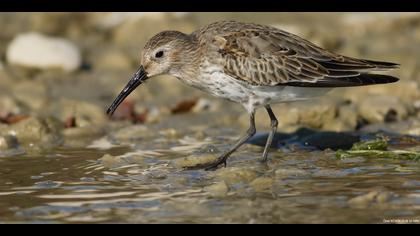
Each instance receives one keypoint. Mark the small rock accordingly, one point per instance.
(83, 132)
(379, 109)
(8, 106)
(39, 51)
(410, 127)
(338, 125)
(154, 174)
(193, 160)
(383, 197)
(405, 90)
(219, 189)
(35, 134)
(170, 133)
(364, 201)
(317, 113)
(290, 172)
(131, 133)
(261, 183)
(8, 142)
(28, 130)
(110, 161)
(234, 175)
(85, 113)
(347, 114)
(30, 94)
(150, 115)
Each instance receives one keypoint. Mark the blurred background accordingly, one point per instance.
(59, 72)
(72, 65)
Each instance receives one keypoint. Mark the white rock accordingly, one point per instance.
(39, 51)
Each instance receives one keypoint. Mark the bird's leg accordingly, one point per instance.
(273, 130)
(249, 133)
(222, 159)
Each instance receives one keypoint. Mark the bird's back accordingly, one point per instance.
(267, 56)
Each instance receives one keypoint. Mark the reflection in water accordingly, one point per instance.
(121, 184)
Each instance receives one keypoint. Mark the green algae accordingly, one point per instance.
(377, 149)
(377, 144)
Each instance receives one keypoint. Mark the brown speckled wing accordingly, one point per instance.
(263, 55)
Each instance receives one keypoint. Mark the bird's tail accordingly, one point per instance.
(383, 65)
(360, 80)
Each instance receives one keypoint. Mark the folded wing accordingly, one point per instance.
(263, 55)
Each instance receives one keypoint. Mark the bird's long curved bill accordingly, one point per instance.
(134, 82)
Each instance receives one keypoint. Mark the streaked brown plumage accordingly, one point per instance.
(254, 65)
(263, 55)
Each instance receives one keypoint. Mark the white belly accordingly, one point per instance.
(253, 97)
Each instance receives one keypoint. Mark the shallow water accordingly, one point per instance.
(134, 174)
(135, 185)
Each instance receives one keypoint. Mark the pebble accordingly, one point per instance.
(8, 105)
(317, 113)
(110, 161)
(131, 133)
(49, 52)
(383, 108)
(28, 130)
(410, 126)
(219, 189)
(85, 113)
(30, 94)
(262, 183)
(372, 197)
(235, 175)
(83, 132)
(290, 172)
(8, 142)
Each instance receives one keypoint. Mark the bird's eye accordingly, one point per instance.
(159, 54)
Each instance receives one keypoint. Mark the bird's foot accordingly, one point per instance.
(263, 159)
(213, 165)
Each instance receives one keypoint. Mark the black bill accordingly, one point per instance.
(134, 82)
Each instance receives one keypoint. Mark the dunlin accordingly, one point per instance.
(251, 64)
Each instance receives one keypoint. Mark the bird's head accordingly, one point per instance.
(165, 53)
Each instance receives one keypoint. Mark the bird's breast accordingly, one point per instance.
(219, 84)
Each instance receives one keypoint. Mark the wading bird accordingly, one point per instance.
(251, 64)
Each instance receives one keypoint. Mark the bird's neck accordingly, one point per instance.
(187, 62)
